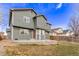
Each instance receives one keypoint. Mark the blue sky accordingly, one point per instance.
(58, 14)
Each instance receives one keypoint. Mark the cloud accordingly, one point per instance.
(59, 6)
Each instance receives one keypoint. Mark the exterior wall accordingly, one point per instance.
(40, 34)
(9, 34)
(47, 35)
(40, 22)
(17, 35)
(8, 31)
(18, 18)
(48, 27)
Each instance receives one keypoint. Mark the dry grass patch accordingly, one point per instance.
(61, 49)
(30, 50)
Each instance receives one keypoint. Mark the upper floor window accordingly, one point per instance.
(26, 19)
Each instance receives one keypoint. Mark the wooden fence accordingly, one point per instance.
(64, 38)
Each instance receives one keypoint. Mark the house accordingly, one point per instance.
(56, 32)
(26, 24)
(61, 32)
(67, 33)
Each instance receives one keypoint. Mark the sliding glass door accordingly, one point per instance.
(40, 34)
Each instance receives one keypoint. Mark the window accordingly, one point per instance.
(26, 19)
(24, 31)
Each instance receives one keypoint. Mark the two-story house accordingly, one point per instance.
(26, 24)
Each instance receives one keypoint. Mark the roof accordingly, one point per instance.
(65, 31)
(19, 9)
(42, 16)
(56, 28)
(49, 23)
(22, 9)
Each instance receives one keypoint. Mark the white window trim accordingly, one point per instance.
(26, 19)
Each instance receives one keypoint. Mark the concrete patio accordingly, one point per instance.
(41, 42)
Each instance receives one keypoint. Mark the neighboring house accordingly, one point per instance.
(67, 33)
(26, 24)
(56, 32)
(61, 32)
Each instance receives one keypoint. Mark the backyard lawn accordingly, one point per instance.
(63, 48)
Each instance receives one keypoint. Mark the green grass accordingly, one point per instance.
(63, 48)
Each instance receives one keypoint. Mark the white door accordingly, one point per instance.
(40, 34)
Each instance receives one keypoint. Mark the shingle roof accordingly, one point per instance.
(56, 28)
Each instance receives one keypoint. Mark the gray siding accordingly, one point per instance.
(19, 36)
(18, 18)
(9, 34)
(8, 30)
(47, 35)
(40, 22)
(48, 27)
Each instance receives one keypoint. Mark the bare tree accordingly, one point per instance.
(74, 25)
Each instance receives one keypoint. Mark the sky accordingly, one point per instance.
(58, 14)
